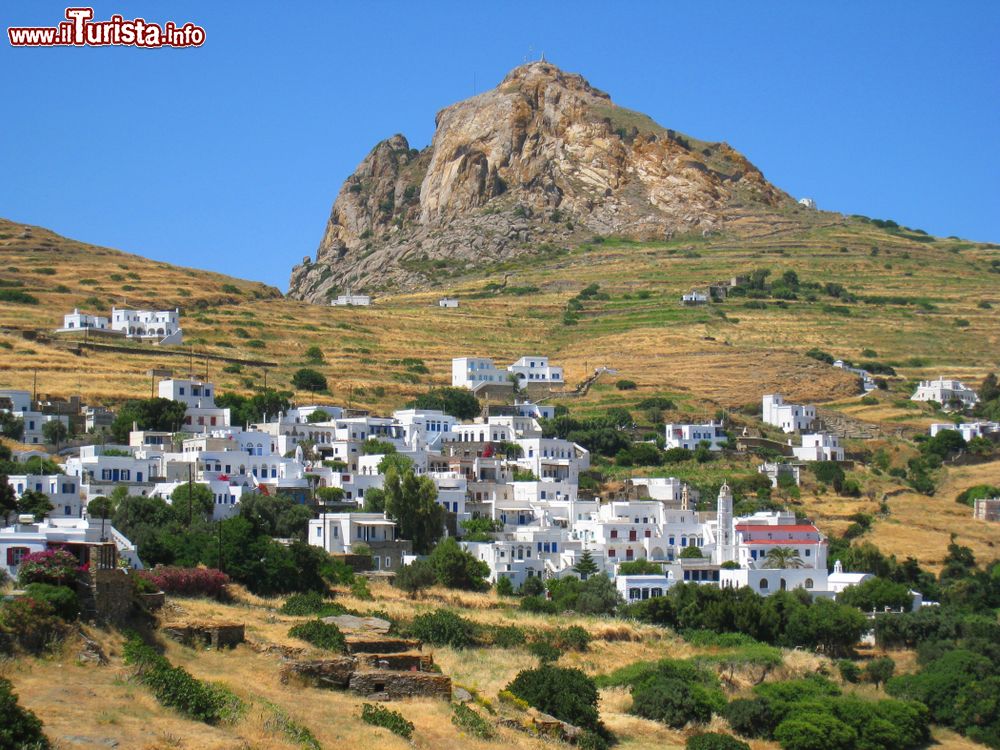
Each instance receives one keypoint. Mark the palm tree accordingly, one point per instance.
(783, 557)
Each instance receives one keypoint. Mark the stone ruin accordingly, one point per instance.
(377, 666)
(206, 634)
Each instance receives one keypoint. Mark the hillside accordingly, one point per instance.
(930, 311)
(543, 158)
(88, 706)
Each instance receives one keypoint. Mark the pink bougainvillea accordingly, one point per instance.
(186, 581)
(55, 566)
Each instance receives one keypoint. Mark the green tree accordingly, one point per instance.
(373, 447)
(374, 500)
(458, 402)
(715, 741)
(691, 553)
(567, 694)
(314, 355)
(875, 594)
(263, 405)
(34, 503)
(456, 568)
(411, 501)
(276, 516)
(880, 670)
(815, 731)
(782, 557)
(306, 379)
(158, 414)
(585, 566)
(8, 500)
(317, 416)
(415, 577)
(504, 586)
(55, 432)
(100, 507)
(11, 426)
(192, 500)
(20, 728)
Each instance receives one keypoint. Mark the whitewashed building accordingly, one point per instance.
(199, 397)
(62, 491)
(689, 436)
(75, 535)
(158, 326)
(694, 297)
(789, 417)
(352, 300)
(78, 321)
(968, 430)
(820, 446)
(946, 392)
(448, 302)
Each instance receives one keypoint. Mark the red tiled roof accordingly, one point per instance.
(765, 527)
(786, 542)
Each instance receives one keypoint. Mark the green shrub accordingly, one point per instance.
(504, 586)
(20, 728)
(750, 717)
(443, 628)
(176, 688)
(849, 671)
(506, 636)
(32, 623)
(311, 603)
(380, 716)
(626, 385)
(62, 599)
(321, 634)
(470, 722)
(360, 590)
(306, 379)
(544, 650)
(815, 731)
(674, 702)
(18, 297)
(715, 741)
(573, 638)
(567, 694)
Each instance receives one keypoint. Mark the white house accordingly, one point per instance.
(474, 372)
(159, 326)
(75, 535)
(789, 417)
(352, 300)
(347, 533)
(536, 369)
(77, 321)
(838, 580)
(62, 491)
(946, 392)
(968, 430)
(775, 470)
(807, 203)
(694, 297)
(691, 435)
(448, 302)
(20, 405)
(637, 588)
(202, 414)
(820, 446)
(867, 382)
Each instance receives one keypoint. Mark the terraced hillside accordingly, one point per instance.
(924, 306)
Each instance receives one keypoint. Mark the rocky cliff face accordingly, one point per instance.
(543, 159)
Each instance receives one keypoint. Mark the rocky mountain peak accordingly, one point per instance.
(542, 158)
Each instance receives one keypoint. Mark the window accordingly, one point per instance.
(388, 562)
(763, 584)
(16, 554)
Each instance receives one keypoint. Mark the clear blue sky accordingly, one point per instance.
(229, 156)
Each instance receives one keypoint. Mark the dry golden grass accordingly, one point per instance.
(650, 339)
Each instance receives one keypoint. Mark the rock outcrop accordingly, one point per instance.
(543, 160)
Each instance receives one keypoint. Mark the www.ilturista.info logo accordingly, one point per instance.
(79, 30)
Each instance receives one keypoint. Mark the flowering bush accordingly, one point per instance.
(187, 581)
(32, 623)
(55, 566)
